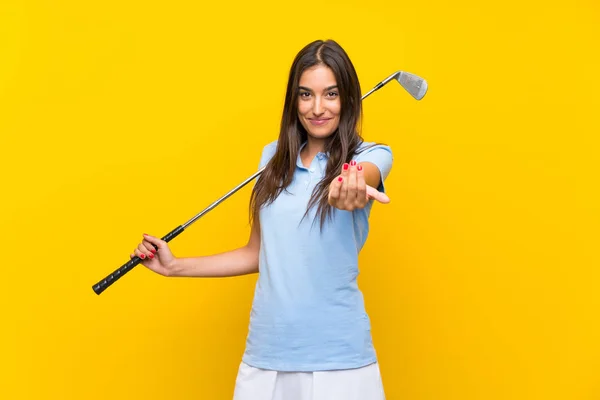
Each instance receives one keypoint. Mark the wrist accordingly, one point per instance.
(174, 268)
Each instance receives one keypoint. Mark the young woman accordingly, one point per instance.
(309, 336)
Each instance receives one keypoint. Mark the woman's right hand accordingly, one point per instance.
(160, 261)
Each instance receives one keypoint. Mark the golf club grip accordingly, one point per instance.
(173, 234)
(123, 269)
(113, 277)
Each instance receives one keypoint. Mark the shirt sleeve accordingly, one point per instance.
(381, 156)
(267, 153)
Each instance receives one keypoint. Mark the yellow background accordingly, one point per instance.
(481, 277)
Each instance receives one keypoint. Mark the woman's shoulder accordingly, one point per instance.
(270, 147)
(268, 152)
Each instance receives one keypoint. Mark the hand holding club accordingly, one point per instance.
(156, 255)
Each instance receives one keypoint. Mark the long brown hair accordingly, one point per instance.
(341, 145)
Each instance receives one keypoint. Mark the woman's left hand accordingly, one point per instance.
(349, 190)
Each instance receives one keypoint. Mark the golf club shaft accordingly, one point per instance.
(380, 85)
(103, 284)
(122, 270)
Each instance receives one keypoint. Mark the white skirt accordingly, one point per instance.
(350, 384)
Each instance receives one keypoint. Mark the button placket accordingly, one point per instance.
(305, 177)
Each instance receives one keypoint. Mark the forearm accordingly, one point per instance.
(241, 261)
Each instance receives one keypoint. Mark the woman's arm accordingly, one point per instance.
(241, 261)
(371, 174)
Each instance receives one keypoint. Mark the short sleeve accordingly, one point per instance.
(381, 156)
(267, 153)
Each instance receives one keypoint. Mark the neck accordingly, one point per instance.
(312, 148)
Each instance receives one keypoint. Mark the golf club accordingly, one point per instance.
(413, 84)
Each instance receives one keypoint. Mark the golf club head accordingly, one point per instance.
(415, 85)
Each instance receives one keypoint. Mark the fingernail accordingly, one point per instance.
(153, 251)
(345, 166)
(353, 163)
(340, 179)
(359, 167)
(151, 255)
(142, 256)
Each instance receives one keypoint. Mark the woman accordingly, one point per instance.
(309, 335)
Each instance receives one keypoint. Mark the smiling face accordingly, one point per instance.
(319, 104)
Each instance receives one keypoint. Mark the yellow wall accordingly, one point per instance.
(481, 277)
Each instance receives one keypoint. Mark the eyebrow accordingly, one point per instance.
(327, 88)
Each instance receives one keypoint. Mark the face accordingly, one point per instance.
(319, 102)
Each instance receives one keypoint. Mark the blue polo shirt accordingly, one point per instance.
(308, 313)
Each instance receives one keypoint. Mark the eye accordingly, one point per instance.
(332, 94)
(304, 94)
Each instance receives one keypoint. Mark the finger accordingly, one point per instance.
(145, 250)
(334, 190)
(352, 184)
(345, 168)
(159, 243)
(361, 186)
(344, 188)
(149, 246)
(140, 254)
(374, 194)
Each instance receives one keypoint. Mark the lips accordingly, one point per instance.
(319, 122)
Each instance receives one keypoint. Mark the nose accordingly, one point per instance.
(318, 108)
